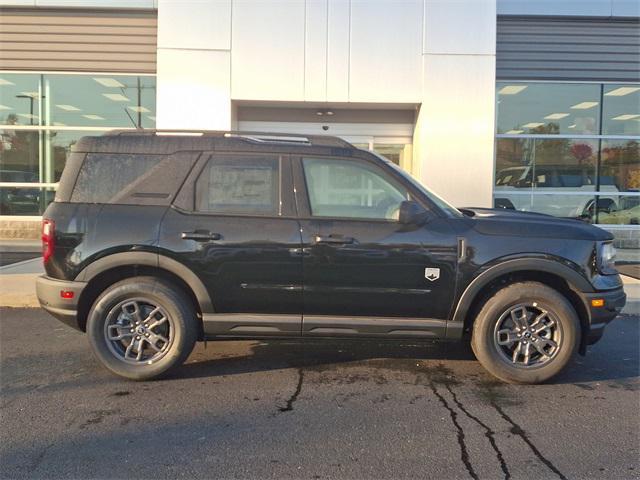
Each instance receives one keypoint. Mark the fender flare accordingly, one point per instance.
(574, 278)
(151, 260)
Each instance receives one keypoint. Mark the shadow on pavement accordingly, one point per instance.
(615, 357)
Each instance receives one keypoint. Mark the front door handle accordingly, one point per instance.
(200, 236)
(333, 239)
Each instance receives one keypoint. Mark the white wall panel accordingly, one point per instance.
(315, 67)
(267, 62)
(455, 128)
(338, 36)
(460, 27)
(196, 24)
(386, 52)
(193, 89)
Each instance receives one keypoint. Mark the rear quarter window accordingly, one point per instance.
(131, 179)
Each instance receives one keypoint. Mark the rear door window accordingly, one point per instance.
(245, 185)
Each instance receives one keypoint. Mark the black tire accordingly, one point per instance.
(146, 292)
(487, 335)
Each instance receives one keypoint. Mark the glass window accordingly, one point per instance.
(19, 156)
(25, 200)
(104, 178)
(350, 189)
(620, 165)
(621, 110)
(19, 99)
(568, 164)
(621, 210)
(239, 185)
(547, 108)
(104, 101)
(43, 115)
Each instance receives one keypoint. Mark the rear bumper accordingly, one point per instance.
(48, 291)
(614, 301)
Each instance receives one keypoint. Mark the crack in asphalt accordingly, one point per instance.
(518, 430)
(464, 453)
(489, 433)
(294, 397)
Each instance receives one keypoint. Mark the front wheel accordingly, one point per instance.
(141, 327)
(526, 333)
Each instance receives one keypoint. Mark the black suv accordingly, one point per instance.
(156, 240)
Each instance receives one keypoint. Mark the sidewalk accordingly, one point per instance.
(17, 286)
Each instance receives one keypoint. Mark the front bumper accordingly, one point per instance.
(48, 291)
(614, 301)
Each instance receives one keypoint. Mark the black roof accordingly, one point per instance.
(170, 141)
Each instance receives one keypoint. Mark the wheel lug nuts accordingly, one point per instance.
(137, 337)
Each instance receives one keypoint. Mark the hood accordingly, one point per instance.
(500, 221)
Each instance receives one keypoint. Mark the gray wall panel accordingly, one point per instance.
(539, 48)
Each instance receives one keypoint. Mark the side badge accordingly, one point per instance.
(432, 274)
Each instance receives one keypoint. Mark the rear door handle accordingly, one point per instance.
(200, 236)
(333, 239)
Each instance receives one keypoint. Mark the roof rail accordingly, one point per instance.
(253, 137)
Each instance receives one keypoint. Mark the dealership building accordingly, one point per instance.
(525, 104)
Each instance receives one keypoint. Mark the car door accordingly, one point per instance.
(234, 226)
(365, 273)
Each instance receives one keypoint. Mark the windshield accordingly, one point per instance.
(440, 202)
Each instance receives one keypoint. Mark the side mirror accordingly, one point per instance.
(412, 213)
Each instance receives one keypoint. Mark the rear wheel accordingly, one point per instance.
(141, 327)
(526, 333)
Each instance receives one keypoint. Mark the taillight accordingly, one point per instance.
(48, 239)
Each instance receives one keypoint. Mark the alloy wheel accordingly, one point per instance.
(527, 335)
(138, 331)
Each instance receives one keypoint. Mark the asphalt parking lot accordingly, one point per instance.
(312, 410)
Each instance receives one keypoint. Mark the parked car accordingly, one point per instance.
(158, 240)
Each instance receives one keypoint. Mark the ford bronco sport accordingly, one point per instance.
(156, 240)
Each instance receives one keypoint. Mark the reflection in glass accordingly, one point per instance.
(620, 164)
(25, 200)
(550, 169)
(77, 100)
(60, 100)
(547, 108)
(626, 212)
(19, 156)
(393, 152)
(19, 99)
(119, 101)
(621, 110)
(549, 163)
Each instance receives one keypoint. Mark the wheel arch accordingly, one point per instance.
(110, 269)
(548, 272)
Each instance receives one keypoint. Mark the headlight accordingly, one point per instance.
(607, 259)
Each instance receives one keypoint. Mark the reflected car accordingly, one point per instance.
(552, 183)
(19, 200)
